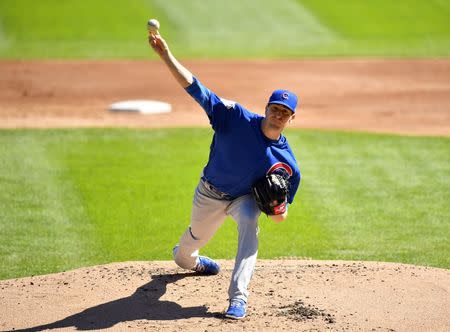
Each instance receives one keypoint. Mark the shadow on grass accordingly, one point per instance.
(144, 304)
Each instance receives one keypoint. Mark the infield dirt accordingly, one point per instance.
(393, 96)
(407, 97)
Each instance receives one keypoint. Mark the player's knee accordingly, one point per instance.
(177, 257)
(182, 259)
(175, 250)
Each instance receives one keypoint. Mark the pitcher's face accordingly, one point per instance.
(278, 116)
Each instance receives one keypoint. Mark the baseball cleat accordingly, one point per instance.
(237, 309)
(206, 266)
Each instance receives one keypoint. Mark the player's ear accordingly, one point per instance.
(292, 118)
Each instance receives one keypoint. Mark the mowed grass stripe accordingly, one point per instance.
(128, 194)
(220, 29)
(379, 197)
(4, 43)
(42, 221)
(137, 186)
(383, 27)
(395, 21)
(76, 29)
(253, 27)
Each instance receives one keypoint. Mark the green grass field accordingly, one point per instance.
(221, 29)
(73, 198)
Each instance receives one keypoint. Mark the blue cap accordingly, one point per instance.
(284, 97)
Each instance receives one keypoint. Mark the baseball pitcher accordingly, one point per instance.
(251, 168)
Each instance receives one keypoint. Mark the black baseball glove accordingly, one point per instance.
(270, 193)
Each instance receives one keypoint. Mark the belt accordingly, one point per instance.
(216, 191)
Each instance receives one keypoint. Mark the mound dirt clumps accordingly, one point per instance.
(285, 295)
(301, 311)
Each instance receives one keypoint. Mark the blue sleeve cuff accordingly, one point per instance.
(202, 95)
(191, 88)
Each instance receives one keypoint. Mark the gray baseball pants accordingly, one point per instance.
(209, 210)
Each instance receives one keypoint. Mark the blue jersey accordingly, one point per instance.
(240, 153)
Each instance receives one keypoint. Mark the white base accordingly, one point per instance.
(141, 106)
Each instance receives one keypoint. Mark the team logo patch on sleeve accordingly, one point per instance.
(282, 169)
(228, 103)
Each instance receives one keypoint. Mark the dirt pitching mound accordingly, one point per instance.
(294, 295)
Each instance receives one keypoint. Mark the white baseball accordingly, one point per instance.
(153, 25)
